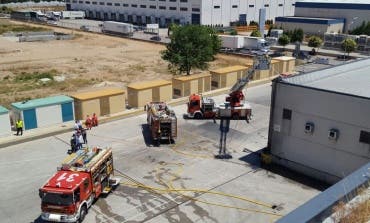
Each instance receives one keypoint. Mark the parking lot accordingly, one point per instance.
(235, 190)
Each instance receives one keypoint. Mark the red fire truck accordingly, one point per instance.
(82, 178)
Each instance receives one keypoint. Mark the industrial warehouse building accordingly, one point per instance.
(5, 127)
(101, 102)
(43, 112)
(320, 122)
(318, 16)
(163, 12)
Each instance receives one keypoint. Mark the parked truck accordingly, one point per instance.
(118, 28)
(82, 177)
(162, 122)
(232, 42)
(255, 43)
(73, 15)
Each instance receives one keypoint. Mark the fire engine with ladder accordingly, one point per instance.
(82, 177)
(235, 107)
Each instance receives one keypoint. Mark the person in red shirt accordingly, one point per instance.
(88, 122)
(95, 120)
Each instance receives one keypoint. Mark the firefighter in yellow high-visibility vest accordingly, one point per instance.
(19, 125)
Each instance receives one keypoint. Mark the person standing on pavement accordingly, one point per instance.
(94, 120)
(88, 122)
(84, 136)
(19, 126)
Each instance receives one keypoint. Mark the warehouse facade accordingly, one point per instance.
(326, 16)
(320, 122)
(163, 12)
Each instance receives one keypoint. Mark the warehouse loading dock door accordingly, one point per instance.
(104, 106)
(30, 121)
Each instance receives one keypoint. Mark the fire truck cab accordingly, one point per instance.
(82, 178)
(201, 107)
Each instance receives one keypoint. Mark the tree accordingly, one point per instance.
(253, 23)
(284, 40)
(315, 42)
(191, 46)
(297, 35)
(233, 32)
(349, 45)
(256, 33)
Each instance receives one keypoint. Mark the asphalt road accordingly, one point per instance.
(189, 163)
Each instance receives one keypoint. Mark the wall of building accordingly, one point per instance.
(310, 28)
(89, 107)
(117, 103)
(215, 12)
(45, 119)
(315, 154)
(352, 17)
(5, 128)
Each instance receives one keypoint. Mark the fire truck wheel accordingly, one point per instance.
(83, 213)
(198, 116)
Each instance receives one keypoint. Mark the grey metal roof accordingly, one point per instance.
(351, 78)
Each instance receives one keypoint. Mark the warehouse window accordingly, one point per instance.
(251, 6)
(152, 7)
(101, 3)
(94, 3)
(68, 0)
(280, 5)
(74, 1)
(173, 8)
(183, 0)
(235, 6)
(109, 3)
(267, 5)
(87, 2)
(143, 6)
(216, 7)
(293, 4)
(81, 2)
(183, 9)
(125, 5)
(162, 7)
(172, 0)
(134, 6)
(195, 9)
(365, 137)
(287, 114)
(162, 0)
(116, 4)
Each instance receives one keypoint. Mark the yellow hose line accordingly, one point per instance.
(171, 189)
(205, 202)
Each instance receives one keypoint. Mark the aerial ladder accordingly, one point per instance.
(236, 99)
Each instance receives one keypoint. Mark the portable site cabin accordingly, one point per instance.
(227, 76)
(191, 84)
(287, 64)
(276, 67)
(43, 112)
(5, 127)
(100, 102)
(142, 92)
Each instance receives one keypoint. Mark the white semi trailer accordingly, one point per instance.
(232, 42)
(119, 28)
(255, 43)
(73, 14)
